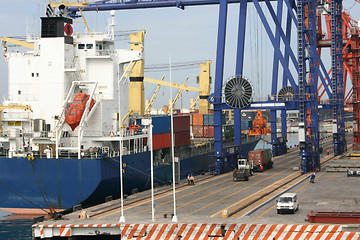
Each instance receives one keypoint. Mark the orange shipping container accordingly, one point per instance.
(198, 120)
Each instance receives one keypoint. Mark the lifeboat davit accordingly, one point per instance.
(76, 110)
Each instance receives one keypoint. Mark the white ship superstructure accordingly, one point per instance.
(60, 65)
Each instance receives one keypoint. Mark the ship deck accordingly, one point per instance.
(245, 209)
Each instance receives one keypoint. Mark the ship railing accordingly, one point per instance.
(20, 98)
(103, 52)
(9, 116)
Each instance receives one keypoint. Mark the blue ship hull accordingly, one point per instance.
(68, 182)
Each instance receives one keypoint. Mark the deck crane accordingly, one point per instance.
(16, 42)
(176, 99)
(193, 103)
(204, 81)
(13, 106)
(149, 103)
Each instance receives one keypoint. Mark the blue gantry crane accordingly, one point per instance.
(298, 88)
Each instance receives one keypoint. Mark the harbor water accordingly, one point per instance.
(15, 227)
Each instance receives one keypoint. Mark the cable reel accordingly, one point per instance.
(238, 92)
(286, 94)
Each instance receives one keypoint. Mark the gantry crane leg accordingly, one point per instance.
(308, 101)
(337, 77)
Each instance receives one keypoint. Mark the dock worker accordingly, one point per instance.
(188, 178)
(312, 178)
(192, 180)
(261, 167)
(328, 151)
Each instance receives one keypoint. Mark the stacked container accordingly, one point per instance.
(208, 125)
(198, 125)
(203, 126)
(181, 130)
(228, 131)
(161, 132)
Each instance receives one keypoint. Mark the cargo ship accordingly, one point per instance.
(64, 127)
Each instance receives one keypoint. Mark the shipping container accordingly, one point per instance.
(208, 119)
(198, 120)
(161, 141)
(261, 159)
(181, 123)
(209, 131)
(198, 131)
(161, 124)
(182, 138)
(228, 131)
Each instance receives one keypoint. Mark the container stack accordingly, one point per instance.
(228, 131)
(161, 132)
(198, 125)
(203, 126)
(208, 125)
(181, 130)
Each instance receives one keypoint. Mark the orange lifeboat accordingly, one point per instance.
(76, 110)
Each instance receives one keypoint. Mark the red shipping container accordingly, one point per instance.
(198, 131)
(198, 120)
(161, 141)
(209, 131)
(181, 123)
(182, 138)
(258, 157)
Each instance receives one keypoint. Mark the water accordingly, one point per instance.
(13, 227)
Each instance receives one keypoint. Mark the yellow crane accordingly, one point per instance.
(137, 79)
(16, 42)
(193, 104)
(13, 106)
(136, 85)
(149, 103)
(173, 103)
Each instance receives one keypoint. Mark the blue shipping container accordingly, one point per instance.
(209, 119)
(161, 124)
(206, 119)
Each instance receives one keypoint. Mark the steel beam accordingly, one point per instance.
(240, 66)
(219, 72)
(337, 77)
(308, 101)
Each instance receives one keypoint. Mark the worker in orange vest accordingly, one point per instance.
(328, 151)
(261, 167)
(192, 180)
